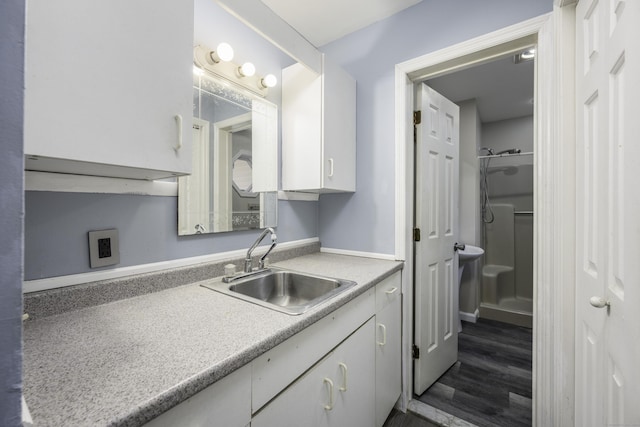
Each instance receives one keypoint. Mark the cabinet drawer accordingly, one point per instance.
(388, 291)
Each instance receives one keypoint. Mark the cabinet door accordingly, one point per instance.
(301, 128)
(354, 373)
(388, 359)
(105, 80)
(337, 391)
(339, 129)
(318, 129)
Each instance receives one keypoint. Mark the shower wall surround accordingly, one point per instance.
(507, 273)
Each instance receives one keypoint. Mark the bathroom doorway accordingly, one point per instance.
(496, 215)
(496, 100)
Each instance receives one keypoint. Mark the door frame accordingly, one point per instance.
(554, 195)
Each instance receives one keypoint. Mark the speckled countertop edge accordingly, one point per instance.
(315, 263)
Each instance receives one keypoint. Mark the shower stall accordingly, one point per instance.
(506, 197)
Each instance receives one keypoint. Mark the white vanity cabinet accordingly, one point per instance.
(337, 391)
(318, 129)
(343, 370)
(388, 346)
(109, 87)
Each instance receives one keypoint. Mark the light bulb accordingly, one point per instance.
(269, 81)
(247, 70)
(224, 52)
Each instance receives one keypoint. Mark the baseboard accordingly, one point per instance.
(470, 317)
(94, 276)
(387, 257)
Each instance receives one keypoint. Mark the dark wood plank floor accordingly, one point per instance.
(490, 385)
(398, 419)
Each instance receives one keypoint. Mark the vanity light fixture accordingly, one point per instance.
(219, 62)
(224, 52)
(247, 70)
(268, 81)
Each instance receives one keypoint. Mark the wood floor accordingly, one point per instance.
(490, 385)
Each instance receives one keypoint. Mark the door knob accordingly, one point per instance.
(599, 302)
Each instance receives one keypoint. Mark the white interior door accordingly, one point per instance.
(608, 213)
(436, 263)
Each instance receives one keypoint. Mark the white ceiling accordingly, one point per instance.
(503, 90)
(323, 21)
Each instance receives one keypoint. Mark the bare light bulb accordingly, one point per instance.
(224, 52)
(247, 69)
(269, 81)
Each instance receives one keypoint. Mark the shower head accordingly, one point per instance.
(488, 150)
(509, 151)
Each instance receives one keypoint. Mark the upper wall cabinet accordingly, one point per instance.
(318, 129)
(108, 87)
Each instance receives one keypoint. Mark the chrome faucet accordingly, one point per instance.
(248, 261)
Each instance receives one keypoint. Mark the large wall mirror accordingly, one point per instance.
(234, 147)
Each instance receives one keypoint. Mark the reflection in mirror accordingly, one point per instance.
(218, 196)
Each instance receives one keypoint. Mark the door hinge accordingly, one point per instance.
(417, 117)
(415, 352)
(416, 234)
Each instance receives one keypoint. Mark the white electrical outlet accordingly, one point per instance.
(104, 248)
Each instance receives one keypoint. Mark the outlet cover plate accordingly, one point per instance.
(104, 248)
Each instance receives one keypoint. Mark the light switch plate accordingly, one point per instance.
(104, 248)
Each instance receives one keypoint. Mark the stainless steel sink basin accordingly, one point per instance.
(283, 290)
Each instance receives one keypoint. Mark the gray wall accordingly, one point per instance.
(56, 224)
(11, 196)
(470, 229)
(364, 221)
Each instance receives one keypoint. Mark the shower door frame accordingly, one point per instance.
(554, 195)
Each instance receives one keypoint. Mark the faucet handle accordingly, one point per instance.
(229, 270)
